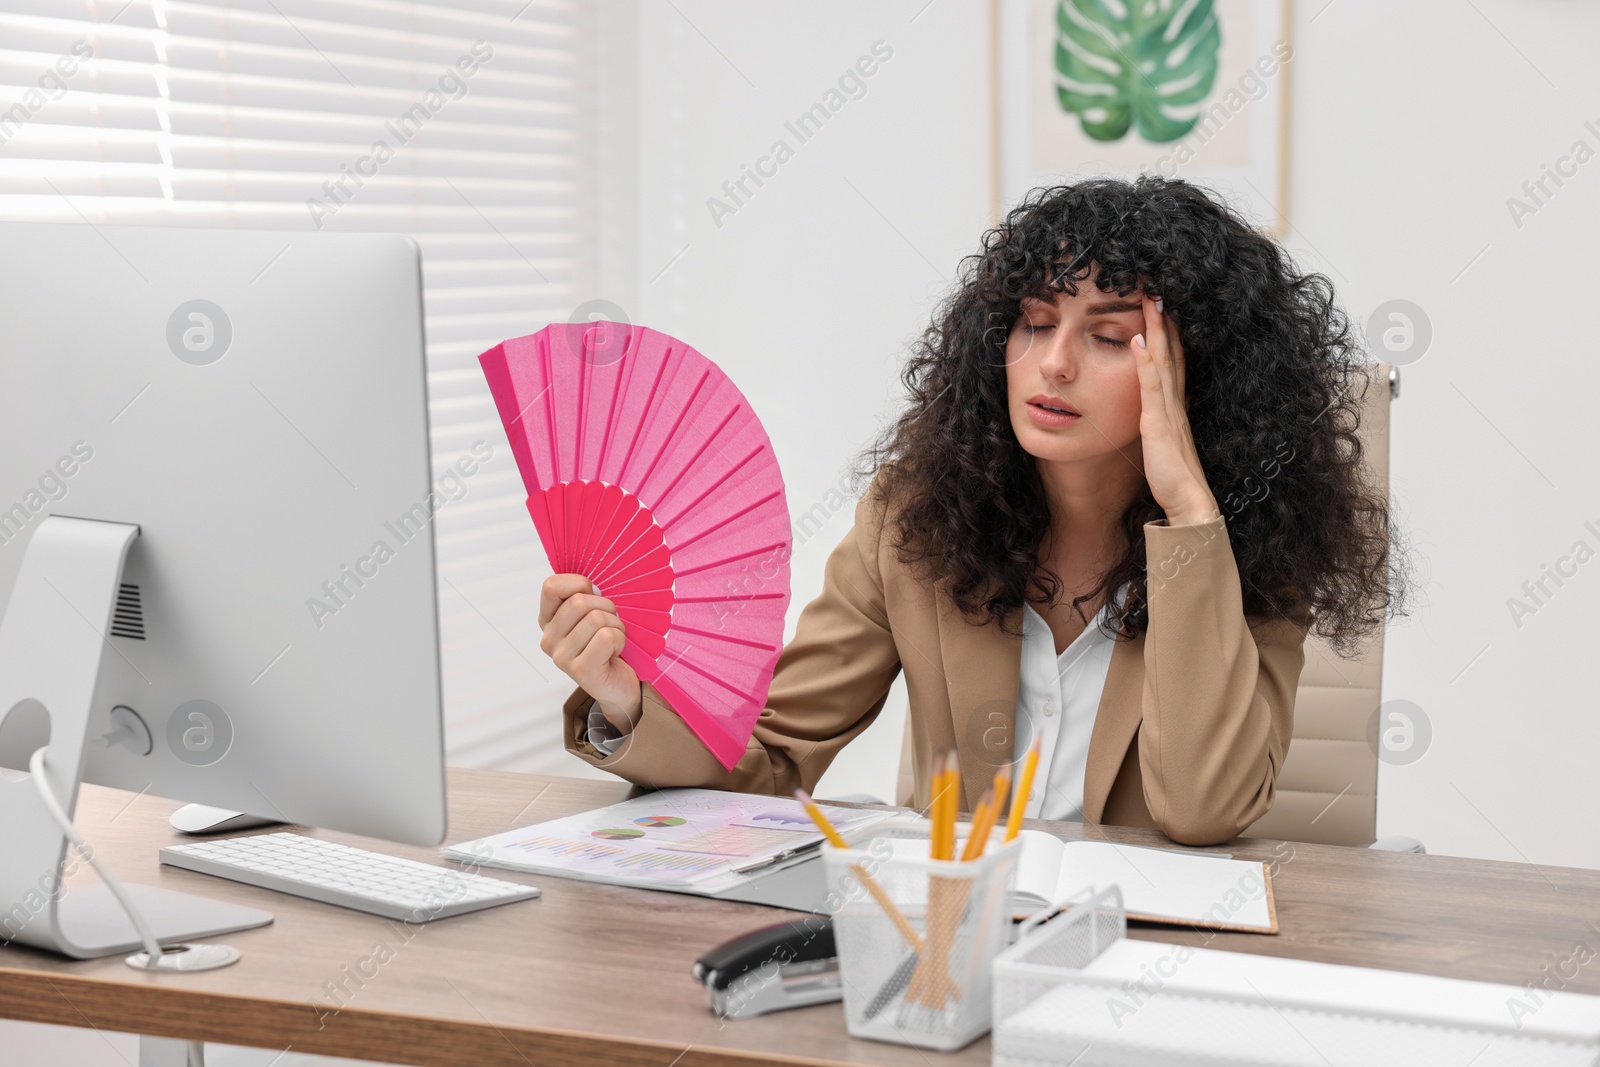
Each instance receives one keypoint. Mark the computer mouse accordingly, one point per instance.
(202, 819)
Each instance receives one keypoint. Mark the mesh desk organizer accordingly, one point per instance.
(934, 994)
(1075, 990)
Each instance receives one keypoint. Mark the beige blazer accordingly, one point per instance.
(1193, 725)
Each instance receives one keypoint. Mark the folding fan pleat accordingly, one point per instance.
(648, 472)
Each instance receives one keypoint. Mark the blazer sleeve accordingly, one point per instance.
(829, 684)
(1218, 699)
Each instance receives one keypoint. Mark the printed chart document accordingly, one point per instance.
(703, 841)
(1158, 885)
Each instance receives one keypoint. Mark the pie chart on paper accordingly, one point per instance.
(660, 820)
(621, 833)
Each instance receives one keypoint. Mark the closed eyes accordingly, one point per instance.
(1041, 327)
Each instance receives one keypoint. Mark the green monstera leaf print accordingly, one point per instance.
(1138, 63)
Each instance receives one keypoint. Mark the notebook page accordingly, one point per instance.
(1170, 886)
(1038, 870)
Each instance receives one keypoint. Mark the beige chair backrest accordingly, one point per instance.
(1328, 787)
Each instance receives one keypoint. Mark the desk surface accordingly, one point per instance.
(591, 973)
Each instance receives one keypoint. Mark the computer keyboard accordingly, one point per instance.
(349, 877)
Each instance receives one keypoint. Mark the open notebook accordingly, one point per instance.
(1158, 885)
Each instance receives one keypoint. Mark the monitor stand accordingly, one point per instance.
(52, 640)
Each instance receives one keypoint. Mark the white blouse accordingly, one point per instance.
(1057, 700)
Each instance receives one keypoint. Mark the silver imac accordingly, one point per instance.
(216, 547)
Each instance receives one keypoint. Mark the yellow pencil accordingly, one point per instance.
(954, 770)
(946, 897)
(950, 794)
(820, 819)
(936, 807)
(982, 823)
(896, 916)
(999, 791)
(1019, 800)
(1002, 791)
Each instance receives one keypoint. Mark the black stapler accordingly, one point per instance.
(786, 965)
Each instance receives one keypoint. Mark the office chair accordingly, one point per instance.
(1328, 786)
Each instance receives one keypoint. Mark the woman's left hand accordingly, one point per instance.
(1171, 462)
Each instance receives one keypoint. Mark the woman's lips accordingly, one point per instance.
(1043, 416)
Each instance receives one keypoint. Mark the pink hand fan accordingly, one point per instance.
(648, 473)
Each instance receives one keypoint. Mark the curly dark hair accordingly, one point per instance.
(1275, 383)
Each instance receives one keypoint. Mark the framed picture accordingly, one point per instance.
(1193, 89)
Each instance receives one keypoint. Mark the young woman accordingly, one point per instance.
(1127, 485)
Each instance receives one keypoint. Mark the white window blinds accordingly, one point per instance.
(462, 124)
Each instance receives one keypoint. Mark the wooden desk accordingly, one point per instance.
(599, 974)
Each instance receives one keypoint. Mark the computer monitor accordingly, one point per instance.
(249, 408)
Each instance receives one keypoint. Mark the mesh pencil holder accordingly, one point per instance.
(1058, 1002)
(916, 937)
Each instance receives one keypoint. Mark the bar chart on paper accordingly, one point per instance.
(667, 861)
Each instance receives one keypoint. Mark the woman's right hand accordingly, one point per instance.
(584, 635)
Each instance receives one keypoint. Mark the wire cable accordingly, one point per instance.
(47, 796)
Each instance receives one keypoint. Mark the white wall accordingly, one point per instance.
(1410, 126)
(1414, 123)
(809, 291)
